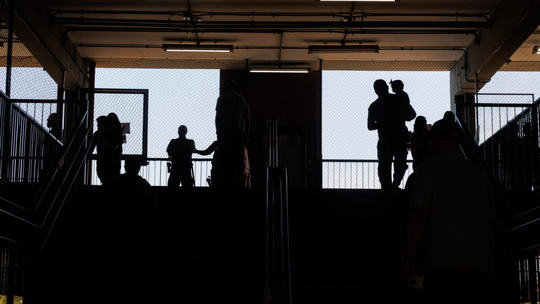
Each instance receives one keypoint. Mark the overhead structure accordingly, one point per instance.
(486, 34)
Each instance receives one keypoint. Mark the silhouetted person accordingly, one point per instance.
(51, 143)
(110, 140)
(449, 116)
(397, 88)
(388, 114)
(233, 123)
(132, 225)
(450, 236)
(95, 139)
(180, 151)
(420, 138)
(54, 125)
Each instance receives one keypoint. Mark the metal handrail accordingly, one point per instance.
(511, 222)
(43, 217)
(470, 150)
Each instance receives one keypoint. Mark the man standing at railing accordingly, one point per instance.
(180, 151)
(388, 114)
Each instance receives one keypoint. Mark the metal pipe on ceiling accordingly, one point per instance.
(148, 46)
(272, 31)
(266, 14)
(205, 25)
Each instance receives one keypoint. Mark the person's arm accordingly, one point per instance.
(218, 116)
(417, 218)
(247, 172)
(170, 149)
(410, 113)
(93, 144)
(415, 229)
(372, 123)
(208, 150)
(248, 123)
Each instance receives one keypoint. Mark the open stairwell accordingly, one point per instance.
(210, 246)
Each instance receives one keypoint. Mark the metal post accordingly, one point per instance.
(60, 106)
(145, 127)
(533, 293)
(9, 51)
(272, 143)
(10, 295)
(534, 143)
(6, 152)
(278, 289)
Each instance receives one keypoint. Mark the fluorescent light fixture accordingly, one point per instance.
(198, 48)
(279, 70)
(536, 50)
(343, 49)
(360, 0)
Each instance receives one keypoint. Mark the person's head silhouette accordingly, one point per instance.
(444, 136)
(52, 121)
(182, 131)
(380, 86)
(397, 86)
(420, 123)
(132, 165)
(101, 121)
(228, 85)
(449, 116)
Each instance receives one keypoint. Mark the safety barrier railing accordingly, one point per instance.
(508, 137)
(354, 174)
(337, 173)
(155, 171)
(28, 148)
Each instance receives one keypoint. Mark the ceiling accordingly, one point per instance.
(277, 31)
(480, 37)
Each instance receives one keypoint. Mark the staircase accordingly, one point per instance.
(209, 246)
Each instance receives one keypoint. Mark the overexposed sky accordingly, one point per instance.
(188, 97)
(346, 96)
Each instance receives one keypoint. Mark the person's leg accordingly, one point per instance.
(400, 161)
(174, 178)
(445, 286)
(385, 164)
(480, 287)
(187, 179)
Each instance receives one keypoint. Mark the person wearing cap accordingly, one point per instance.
(388, 114)
(450, 234)
(180, 151)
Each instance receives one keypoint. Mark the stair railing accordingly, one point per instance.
(508, 136)
(469, 148)
(278, 288)
(32, 225)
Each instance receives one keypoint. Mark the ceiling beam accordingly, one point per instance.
(208, 25)
(44, 42)
(512, 23)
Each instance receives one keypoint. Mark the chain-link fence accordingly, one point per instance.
(28, 79)
(176, 97)
(3, 55)
(346, 97)
(129, 107)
